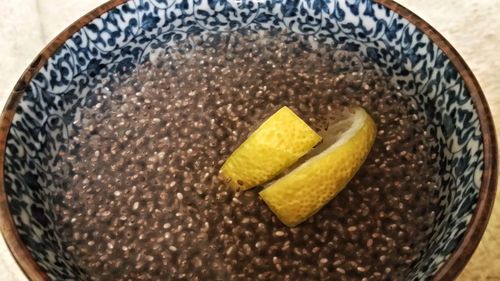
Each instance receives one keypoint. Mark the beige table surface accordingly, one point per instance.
(472, 26)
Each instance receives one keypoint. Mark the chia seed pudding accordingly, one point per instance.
(145, 202)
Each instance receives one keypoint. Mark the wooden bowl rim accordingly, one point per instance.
(452, 266)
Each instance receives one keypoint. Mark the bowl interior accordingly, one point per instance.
(137, 31)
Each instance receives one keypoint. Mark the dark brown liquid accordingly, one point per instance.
(145, 203)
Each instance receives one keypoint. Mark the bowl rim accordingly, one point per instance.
(448, 271)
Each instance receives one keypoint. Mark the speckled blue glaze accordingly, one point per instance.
(135, 31)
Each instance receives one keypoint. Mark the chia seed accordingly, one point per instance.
(145, 202)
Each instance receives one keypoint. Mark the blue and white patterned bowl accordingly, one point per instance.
(120, 34)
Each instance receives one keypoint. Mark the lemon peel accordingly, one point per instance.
(303, 191)
(276, 145)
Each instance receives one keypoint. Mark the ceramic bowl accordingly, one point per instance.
(121, 34)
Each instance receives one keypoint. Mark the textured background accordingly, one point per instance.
(472, 26)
